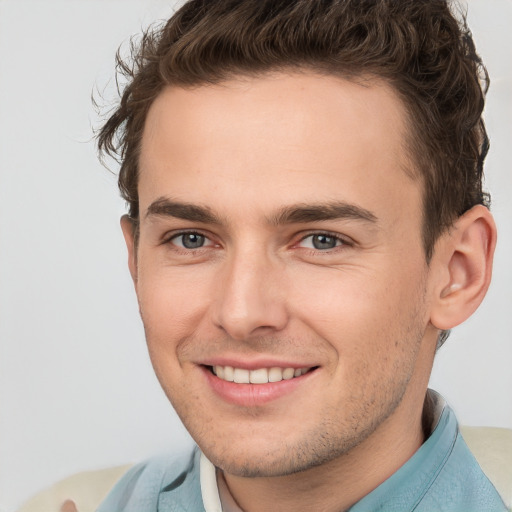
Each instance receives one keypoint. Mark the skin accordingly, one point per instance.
(68, 506)
(248, 154)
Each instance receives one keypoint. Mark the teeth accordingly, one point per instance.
(259, 376)
(275, 375)
(241, 376)
(228, 373)
(288, 373)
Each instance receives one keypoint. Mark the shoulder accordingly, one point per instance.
(164, 478)
(461, 485)
(443, 475)
(456, 481)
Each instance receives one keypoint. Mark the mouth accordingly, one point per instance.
(259, 375)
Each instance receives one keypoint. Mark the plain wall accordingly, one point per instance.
(76, 387)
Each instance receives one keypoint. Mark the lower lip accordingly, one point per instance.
(253, 395)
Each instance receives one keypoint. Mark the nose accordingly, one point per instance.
(251, 299)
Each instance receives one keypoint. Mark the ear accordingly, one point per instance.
(463, 262)
(129, 228)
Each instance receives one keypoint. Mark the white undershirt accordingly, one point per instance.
(209, 488)
(214, 490)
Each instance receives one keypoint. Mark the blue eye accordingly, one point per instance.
(321, 242)
(189, 240)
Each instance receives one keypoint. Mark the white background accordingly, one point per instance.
(76, 387)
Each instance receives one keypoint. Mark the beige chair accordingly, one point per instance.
(86, 489)
(492, 448)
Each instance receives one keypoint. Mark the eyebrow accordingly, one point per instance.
(293, 214)
(325, 211)
(164, 207)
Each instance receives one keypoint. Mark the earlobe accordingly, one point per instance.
(464, 256)
(129, 227)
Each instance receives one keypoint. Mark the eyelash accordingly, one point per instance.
(169, 240)
(341, 242)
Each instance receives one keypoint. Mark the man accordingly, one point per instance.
(306, 224)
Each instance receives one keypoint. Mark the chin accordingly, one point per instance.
(260, 466)
(274, 458)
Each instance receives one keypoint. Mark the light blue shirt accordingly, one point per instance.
(442, 476)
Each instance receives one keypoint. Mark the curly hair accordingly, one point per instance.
(420, 47)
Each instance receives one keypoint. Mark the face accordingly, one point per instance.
(279, 269)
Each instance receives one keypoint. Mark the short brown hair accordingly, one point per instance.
(417, 46)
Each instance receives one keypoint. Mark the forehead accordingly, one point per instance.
(276, 139)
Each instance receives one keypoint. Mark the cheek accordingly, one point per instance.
(173, 301)
(357, 308)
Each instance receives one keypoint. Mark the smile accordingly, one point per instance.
(258, 376)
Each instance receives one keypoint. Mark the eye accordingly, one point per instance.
(191, 240)
(321, 242)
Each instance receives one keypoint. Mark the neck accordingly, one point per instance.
(339, 483)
